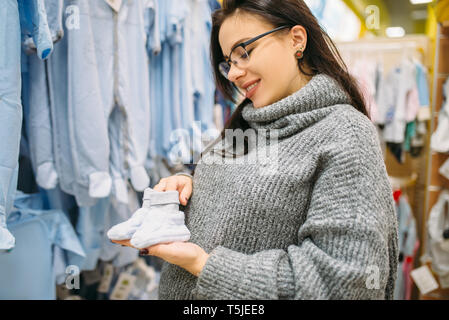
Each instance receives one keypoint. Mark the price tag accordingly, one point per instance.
(105, 283)
(114, 4)
(424, 279)
(123, 287)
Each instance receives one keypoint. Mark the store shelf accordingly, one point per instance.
(437, 182)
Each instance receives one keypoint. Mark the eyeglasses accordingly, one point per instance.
(241, 59)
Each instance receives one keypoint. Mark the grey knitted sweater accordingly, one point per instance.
(321, 225)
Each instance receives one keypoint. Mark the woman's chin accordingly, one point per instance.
(257, 104)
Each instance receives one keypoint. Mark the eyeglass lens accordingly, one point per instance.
(239, 56)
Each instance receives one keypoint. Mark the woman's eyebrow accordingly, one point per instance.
(237, 42)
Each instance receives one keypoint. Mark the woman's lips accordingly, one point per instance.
(252, 91)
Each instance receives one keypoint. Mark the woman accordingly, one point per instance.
(315, 222)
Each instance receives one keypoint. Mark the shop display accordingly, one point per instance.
(101, 99)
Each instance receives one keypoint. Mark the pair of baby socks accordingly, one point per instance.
(157, 221)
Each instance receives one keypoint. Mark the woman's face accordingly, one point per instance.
(271, 58)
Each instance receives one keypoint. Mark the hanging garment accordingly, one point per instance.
(410, 133)
(10, 111)
(29, 270)
(38, 123)
(90, 230)
(155, 21)
(180, 81)
(182, 111)
(419, 139)
(201, 72)
(386, 97)
(438, 232)
(35, 102)
(152, 27)
(423, 92)
(365, 72)
(54, 12)
(82, 99)
(34, 26)
(404, 104)
(440, 138)
(26, 18)
(408, 243)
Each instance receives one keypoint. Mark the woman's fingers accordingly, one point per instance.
(161, 185)
(172, 185)
(185, 194)
(176, 183)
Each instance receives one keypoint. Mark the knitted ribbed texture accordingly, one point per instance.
(322, 226)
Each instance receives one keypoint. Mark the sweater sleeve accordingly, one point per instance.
(346, 249)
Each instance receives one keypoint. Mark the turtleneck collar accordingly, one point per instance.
(290, 114)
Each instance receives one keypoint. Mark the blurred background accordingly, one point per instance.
(385, 44)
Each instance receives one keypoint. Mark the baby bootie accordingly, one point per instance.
(125, 230)
(163, 223)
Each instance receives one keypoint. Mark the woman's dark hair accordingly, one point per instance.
(321, 55)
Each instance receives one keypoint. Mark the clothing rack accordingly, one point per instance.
(409, 177)
(435, 181)
(388, 50)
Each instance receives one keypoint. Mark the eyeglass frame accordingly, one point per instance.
(247, 43)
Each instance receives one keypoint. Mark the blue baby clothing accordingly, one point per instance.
(27, 271)
(407, 245)
(34, 26)
(10, 110)
(89, 76)
(19, 20)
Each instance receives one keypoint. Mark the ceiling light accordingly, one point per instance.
(420, 1)
(395, 32)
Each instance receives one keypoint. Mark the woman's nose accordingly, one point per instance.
(235, 73)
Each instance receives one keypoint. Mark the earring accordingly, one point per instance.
(299, 54)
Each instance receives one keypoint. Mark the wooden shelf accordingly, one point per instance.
(436, 181)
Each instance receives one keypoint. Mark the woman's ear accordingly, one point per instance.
(298, 36)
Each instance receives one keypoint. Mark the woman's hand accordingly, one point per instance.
(187, 255)
(182, 184)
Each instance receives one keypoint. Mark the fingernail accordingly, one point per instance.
(143, 252)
